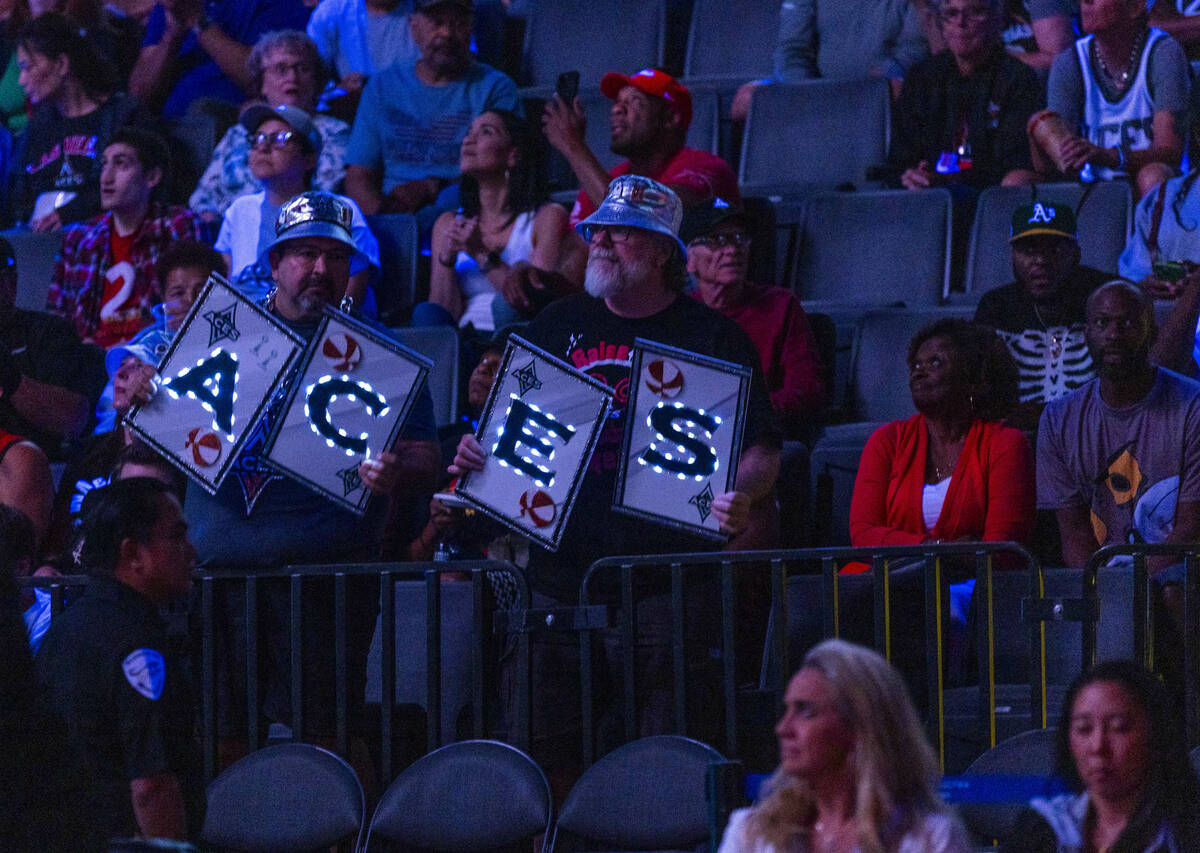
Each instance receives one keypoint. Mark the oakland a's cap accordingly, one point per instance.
(639, 202)
(1055, 220)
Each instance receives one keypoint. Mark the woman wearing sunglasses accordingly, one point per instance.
(285, 148)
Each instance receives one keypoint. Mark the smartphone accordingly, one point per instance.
(567, 86)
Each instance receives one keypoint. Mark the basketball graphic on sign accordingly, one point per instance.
(664, 378)
(206, 447)
(343, 352)
(539, 506)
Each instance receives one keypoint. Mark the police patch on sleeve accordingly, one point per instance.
(145, 671)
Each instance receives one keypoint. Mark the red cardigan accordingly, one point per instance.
(990, 498)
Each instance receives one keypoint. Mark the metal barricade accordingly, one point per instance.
(723, 566)
(388, 574)
(1145, 618)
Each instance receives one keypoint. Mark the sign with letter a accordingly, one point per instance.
(346, 406)
(225, 363)
(683, 436)
(539, 428)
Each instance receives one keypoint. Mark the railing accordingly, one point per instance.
(724, 565)
(1145, 619)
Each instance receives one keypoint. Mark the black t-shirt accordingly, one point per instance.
(111, 673)
(1010, 309)
(584, 333)
(47, 349)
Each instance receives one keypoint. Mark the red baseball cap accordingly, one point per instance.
(660, 84)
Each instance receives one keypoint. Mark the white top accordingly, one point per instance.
(936, 833)
(932, 498)
(245, 231)
(477, 291)
(1125, 121)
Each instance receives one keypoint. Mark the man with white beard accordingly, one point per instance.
(635, 279)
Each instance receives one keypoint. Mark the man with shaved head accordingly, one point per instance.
(1118, 459)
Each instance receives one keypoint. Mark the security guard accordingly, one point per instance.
(109, 672)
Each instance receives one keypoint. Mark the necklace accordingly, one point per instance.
(1056, 342)
(1120, 80)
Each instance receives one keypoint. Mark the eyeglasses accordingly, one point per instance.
(968, 15)
(616, 233)
(720, 241)
(270, 141)
(282, 68)
(309, 256)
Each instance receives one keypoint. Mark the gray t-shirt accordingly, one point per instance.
(1166, 78)
(1129, 466)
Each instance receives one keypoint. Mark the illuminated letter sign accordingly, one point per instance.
(227, 360)
(682, 437)
(515, 434)
(347, 405)
(540, 426)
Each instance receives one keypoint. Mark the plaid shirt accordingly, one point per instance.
(78, 286)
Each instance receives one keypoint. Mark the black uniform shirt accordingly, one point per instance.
(128, 708)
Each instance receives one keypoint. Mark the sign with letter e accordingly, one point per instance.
(683, 436)
(539, 428)
(346, 406)
(225, 363)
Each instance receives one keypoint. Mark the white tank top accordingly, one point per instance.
(477, 291)
(1127, 120)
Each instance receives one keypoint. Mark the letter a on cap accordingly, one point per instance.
(1042, 214)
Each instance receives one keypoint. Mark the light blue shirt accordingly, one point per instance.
(342, 30)
(413, 131)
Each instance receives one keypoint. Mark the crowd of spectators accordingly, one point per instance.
(355, 108)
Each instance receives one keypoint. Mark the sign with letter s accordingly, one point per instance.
(539, 428)
(227, 360)
(683, 436)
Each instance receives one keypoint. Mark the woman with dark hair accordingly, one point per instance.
(1123, 753)
(953, 471)
(504, 223)
(56, 172)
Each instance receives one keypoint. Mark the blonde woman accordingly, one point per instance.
(856, 774)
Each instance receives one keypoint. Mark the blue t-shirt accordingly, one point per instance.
(414, 131)
(242, 20)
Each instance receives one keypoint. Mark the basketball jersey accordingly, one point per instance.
(1126, 121)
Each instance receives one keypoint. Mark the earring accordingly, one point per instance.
(347, 304)
(270, 302)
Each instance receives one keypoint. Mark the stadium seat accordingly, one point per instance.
(395, 285)
(879, 375)
(875, 248)
(591, 38)
(833, 467)
(289, 797)
(821, 133)
(731, 42)
(36, 255)
(439, 343)
(646, 795)
(470, 796)
(1105, 219)
(1026, 757)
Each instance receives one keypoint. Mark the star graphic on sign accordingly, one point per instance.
(350, 479)
(222, 325)
(703, 501)
(527, 376)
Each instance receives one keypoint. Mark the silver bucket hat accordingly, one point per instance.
(317, 214)
(639, 202)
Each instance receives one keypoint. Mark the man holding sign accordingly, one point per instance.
(260, 519)
(635, 279)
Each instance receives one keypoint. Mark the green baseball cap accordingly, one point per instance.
(1032, 220)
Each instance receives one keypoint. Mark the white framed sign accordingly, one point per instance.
(225, 363)
(347, 404)
(539, 427)
(683, 436)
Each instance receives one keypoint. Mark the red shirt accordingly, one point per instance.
(778, 326)
(991, 496)
(698, 172)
